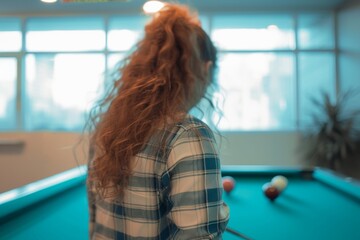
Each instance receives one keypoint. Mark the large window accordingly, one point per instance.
(8, 70)
(316, 63)
(256, 71)
(253, 32)
(10, 42)
(60, 89)
(314, 81)
(268, 67)
(259, 90)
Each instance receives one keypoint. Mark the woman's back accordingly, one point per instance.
(168, 176)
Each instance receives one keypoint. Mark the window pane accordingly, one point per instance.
(10, 35)
(259, 91)
(114, 62)
(313, 80)
(122, 40)
(125, 32)
(65, 34)
(61, 89)
(253, 32)
(8, 75)
(316, 31)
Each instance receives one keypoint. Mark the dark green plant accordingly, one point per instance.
(335, 135)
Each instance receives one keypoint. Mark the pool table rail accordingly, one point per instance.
(14, 200)
(263, 170)
(19, 198)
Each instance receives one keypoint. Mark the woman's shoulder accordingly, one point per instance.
(191, 121)
(193, 124)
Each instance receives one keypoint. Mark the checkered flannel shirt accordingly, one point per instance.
(174, 193)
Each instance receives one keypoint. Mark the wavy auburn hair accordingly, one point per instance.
(160, 82)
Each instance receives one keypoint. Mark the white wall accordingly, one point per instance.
(41, 155)
(277, 148)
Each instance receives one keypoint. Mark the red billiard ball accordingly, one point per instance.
(228, 183)
(270, 191)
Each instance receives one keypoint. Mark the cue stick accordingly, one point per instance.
(236, 233)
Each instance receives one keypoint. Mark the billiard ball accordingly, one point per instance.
(270, 191)
(228, 183)
(280, 182)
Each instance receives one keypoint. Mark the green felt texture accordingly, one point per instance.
(307, 209)
(63, 216)
(311, 209)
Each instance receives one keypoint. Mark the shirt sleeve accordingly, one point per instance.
(198, 211)
(91, 207)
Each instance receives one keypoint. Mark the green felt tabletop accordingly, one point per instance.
(316, 205)
(63, 216)
(306, 209)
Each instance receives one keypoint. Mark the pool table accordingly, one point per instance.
(317, 204)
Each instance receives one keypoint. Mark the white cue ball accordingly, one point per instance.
(280, 182)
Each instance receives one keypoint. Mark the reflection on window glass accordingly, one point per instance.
(65, 34)
(253, 32)
(316, 31)
(313, 80)
(10, 35)
(8, 76)
(61, 89)
(258, 91)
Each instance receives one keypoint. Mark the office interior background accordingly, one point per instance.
(274, 58)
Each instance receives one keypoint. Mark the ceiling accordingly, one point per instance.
(36, 7)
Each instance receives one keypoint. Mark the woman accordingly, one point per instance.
(154, 171)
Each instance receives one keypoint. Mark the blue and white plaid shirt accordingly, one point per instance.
(174, 193)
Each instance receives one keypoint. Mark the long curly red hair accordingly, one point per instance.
(159, 83)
